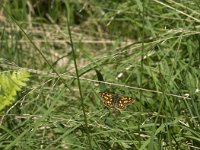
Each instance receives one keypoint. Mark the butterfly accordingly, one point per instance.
(116, 101)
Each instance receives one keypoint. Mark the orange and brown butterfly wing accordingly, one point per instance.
(107, 99)
(123, 102)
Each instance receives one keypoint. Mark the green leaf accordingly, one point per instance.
(10, 84)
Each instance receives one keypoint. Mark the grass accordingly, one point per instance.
(151, 56)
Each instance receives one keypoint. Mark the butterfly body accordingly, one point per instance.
(115, 100)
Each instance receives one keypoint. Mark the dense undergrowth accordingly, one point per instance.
(147, 51)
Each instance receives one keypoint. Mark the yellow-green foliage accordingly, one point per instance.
(10, 84)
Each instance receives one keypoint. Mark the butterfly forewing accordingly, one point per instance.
(123, 102)
(107, 99)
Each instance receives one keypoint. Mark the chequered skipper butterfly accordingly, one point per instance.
(116, 101)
